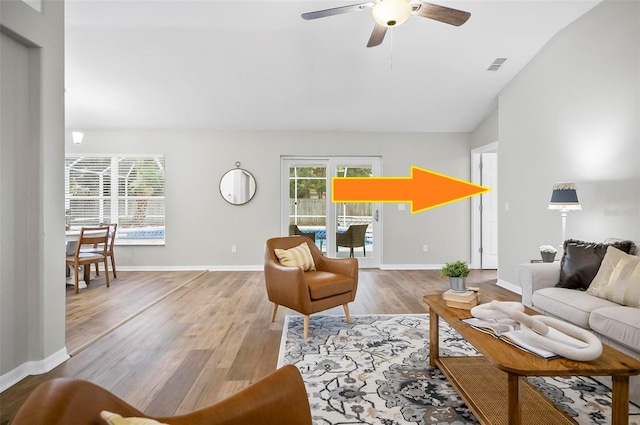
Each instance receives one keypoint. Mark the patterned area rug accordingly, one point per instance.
(376, 371)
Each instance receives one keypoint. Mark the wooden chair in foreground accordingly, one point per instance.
(279, 398)
(354, 237)
(334, 281)
(113, 228)
(90, 236)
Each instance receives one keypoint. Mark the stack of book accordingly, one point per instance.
(465, 300)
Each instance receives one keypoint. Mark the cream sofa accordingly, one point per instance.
(615, 325)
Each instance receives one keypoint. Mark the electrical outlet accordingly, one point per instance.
(233, 249)
(425, 248)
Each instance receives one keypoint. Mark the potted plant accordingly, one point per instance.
(548, 253)
(456, 271)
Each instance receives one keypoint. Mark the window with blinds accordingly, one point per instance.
(128, 190)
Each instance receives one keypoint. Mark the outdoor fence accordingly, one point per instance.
(312, 212)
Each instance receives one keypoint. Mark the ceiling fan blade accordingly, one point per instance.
(337, 11)
(377, 36)
(441, 13)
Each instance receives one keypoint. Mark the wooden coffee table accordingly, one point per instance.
(491, 386)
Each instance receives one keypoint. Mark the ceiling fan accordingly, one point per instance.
(391, 13)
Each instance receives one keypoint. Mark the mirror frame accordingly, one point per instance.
(227, 179)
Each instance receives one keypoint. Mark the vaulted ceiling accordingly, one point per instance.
(256, 65)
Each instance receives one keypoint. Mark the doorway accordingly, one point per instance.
(484, 221)
(339, 229)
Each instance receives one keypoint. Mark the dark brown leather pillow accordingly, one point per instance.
(581, 261)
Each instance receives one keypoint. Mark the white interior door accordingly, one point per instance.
(489, 202)
(307, 207)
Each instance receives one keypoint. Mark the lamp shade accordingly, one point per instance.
(77, 137)
(389, 13)
(564, 197)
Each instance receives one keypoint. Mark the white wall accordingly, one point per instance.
(201, 226)
(31, 189)
(572, 114)
(487, 131)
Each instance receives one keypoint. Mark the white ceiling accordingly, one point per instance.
(257, 65)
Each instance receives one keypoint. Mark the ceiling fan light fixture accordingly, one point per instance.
(391, 13)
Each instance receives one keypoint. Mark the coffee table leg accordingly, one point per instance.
(515, 415)
(620, 400)
(434, 337)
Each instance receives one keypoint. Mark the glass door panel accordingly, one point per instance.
(354, 220)
(308, 202)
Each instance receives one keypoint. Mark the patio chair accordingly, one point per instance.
(279, 398)
(328, 282)
(354, 237)
(294, 230)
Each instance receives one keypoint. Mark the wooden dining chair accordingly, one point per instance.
(96, 238)
(113, 228)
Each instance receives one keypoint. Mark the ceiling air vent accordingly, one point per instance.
(497, 64)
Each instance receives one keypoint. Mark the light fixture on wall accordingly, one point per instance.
(390, 13)
(77, 137)
(564, 198)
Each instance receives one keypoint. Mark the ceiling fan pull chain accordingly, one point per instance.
(391, 54)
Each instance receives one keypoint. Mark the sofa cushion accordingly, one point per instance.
(298, 256)
(620, 324)
(325, 284)
(581, 261)
(618, 278)
(567, 304)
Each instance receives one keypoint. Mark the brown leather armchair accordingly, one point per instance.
(280, 398)
(334, 282)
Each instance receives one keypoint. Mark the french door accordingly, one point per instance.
(339, 229)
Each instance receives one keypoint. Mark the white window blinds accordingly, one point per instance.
(128, 190)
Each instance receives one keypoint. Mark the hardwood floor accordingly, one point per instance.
(172, 342)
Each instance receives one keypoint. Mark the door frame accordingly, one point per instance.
(476, 213)
(331, 161)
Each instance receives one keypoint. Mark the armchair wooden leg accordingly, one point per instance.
(306, 326)
(273, 313)
(346, 312)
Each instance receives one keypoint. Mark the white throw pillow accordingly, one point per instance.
(618, 278)
(299, 256)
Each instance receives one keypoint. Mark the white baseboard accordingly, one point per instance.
(162, 268)
(411, 266)
(230, 268)
(509, 286)
(237, 268)
(33, 368)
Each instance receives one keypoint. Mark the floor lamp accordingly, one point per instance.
(564, 198)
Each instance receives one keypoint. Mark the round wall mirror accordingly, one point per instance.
(237, 186)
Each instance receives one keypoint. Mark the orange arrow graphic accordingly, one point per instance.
(424, 189)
